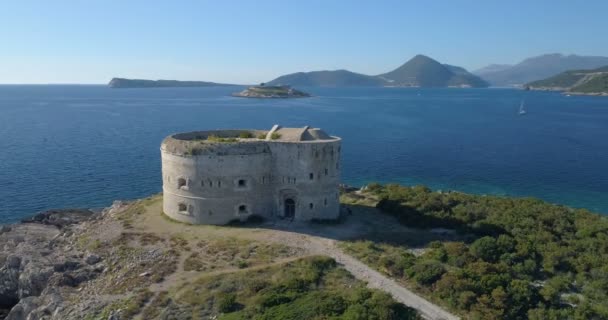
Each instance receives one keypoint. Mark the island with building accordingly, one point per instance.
(264, 91)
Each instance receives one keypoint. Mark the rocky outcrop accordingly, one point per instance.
(35, 256)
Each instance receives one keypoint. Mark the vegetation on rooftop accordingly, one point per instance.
(275, 136)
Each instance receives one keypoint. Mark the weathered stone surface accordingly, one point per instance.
(35, 257)
(92, 259)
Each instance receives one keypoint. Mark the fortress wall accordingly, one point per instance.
(293, 164)
(210, 188)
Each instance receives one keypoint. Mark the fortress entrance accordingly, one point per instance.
(290, 208)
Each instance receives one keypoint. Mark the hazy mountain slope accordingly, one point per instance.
(491, 68)
(336, 78)
(540, 67)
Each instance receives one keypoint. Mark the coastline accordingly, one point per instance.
(565, 91)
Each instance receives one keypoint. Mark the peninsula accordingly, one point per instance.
(580, 82)
(141, 83)
(263, 91)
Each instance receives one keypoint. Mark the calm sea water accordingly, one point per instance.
(85, 146)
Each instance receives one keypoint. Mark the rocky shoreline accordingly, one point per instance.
(39, 262)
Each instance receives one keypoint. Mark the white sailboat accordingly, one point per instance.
(522, 111)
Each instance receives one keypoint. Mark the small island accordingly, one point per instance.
(263, 91)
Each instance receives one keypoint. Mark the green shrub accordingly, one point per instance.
(427, 272)
(245, 135)
(275, 136)
(226, 302)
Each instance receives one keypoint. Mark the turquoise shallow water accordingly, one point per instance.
(85, 146)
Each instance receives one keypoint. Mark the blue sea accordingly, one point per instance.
(85, 146)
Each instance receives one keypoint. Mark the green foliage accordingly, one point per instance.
(262, 135)
(245, 135)
(275, 136)
(525, 258)
(426, 272)
(213, 138)
(308, 288)
(226, 302)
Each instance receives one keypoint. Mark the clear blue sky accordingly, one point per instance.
(252, 41)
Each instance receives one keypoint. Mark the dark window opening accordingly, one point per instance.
(310, 205)
(182, 207)
(242, 183)
(326, 171)
(211, 183)
(219, 184)
(242, 209)
(290, 208)
(181, 182)
(325, 201)
(311, 176)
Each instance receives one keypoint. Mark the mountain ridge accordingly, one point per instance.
(419, 71)
(538, 68)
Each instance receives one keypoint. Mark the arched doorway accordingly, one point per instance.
(290, 208)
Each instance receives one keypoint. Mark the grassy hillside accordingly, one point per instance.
(597, 84)
(586, 81)
(519, 258)
(309, 288)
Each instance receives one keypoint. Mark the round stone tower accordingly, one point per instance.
(215, 177)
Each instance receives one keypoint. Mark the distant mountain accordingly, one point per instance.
(140, 83)
(594, 81)
(422, 71)
(537, 68)
(336, 78)
(491, 68)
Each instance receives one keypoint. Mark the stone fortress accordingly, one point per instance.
(220, 176)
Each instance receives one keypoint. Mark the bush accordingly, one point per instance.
(226, 302)
(427, 272)
(275, 136)
(486, 249)
(245, 135)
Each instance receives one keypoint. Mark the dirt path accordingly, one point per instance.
(374, 279)
(316, 240)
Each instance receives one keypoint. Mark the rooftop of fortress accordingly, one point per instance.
(240, 141)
